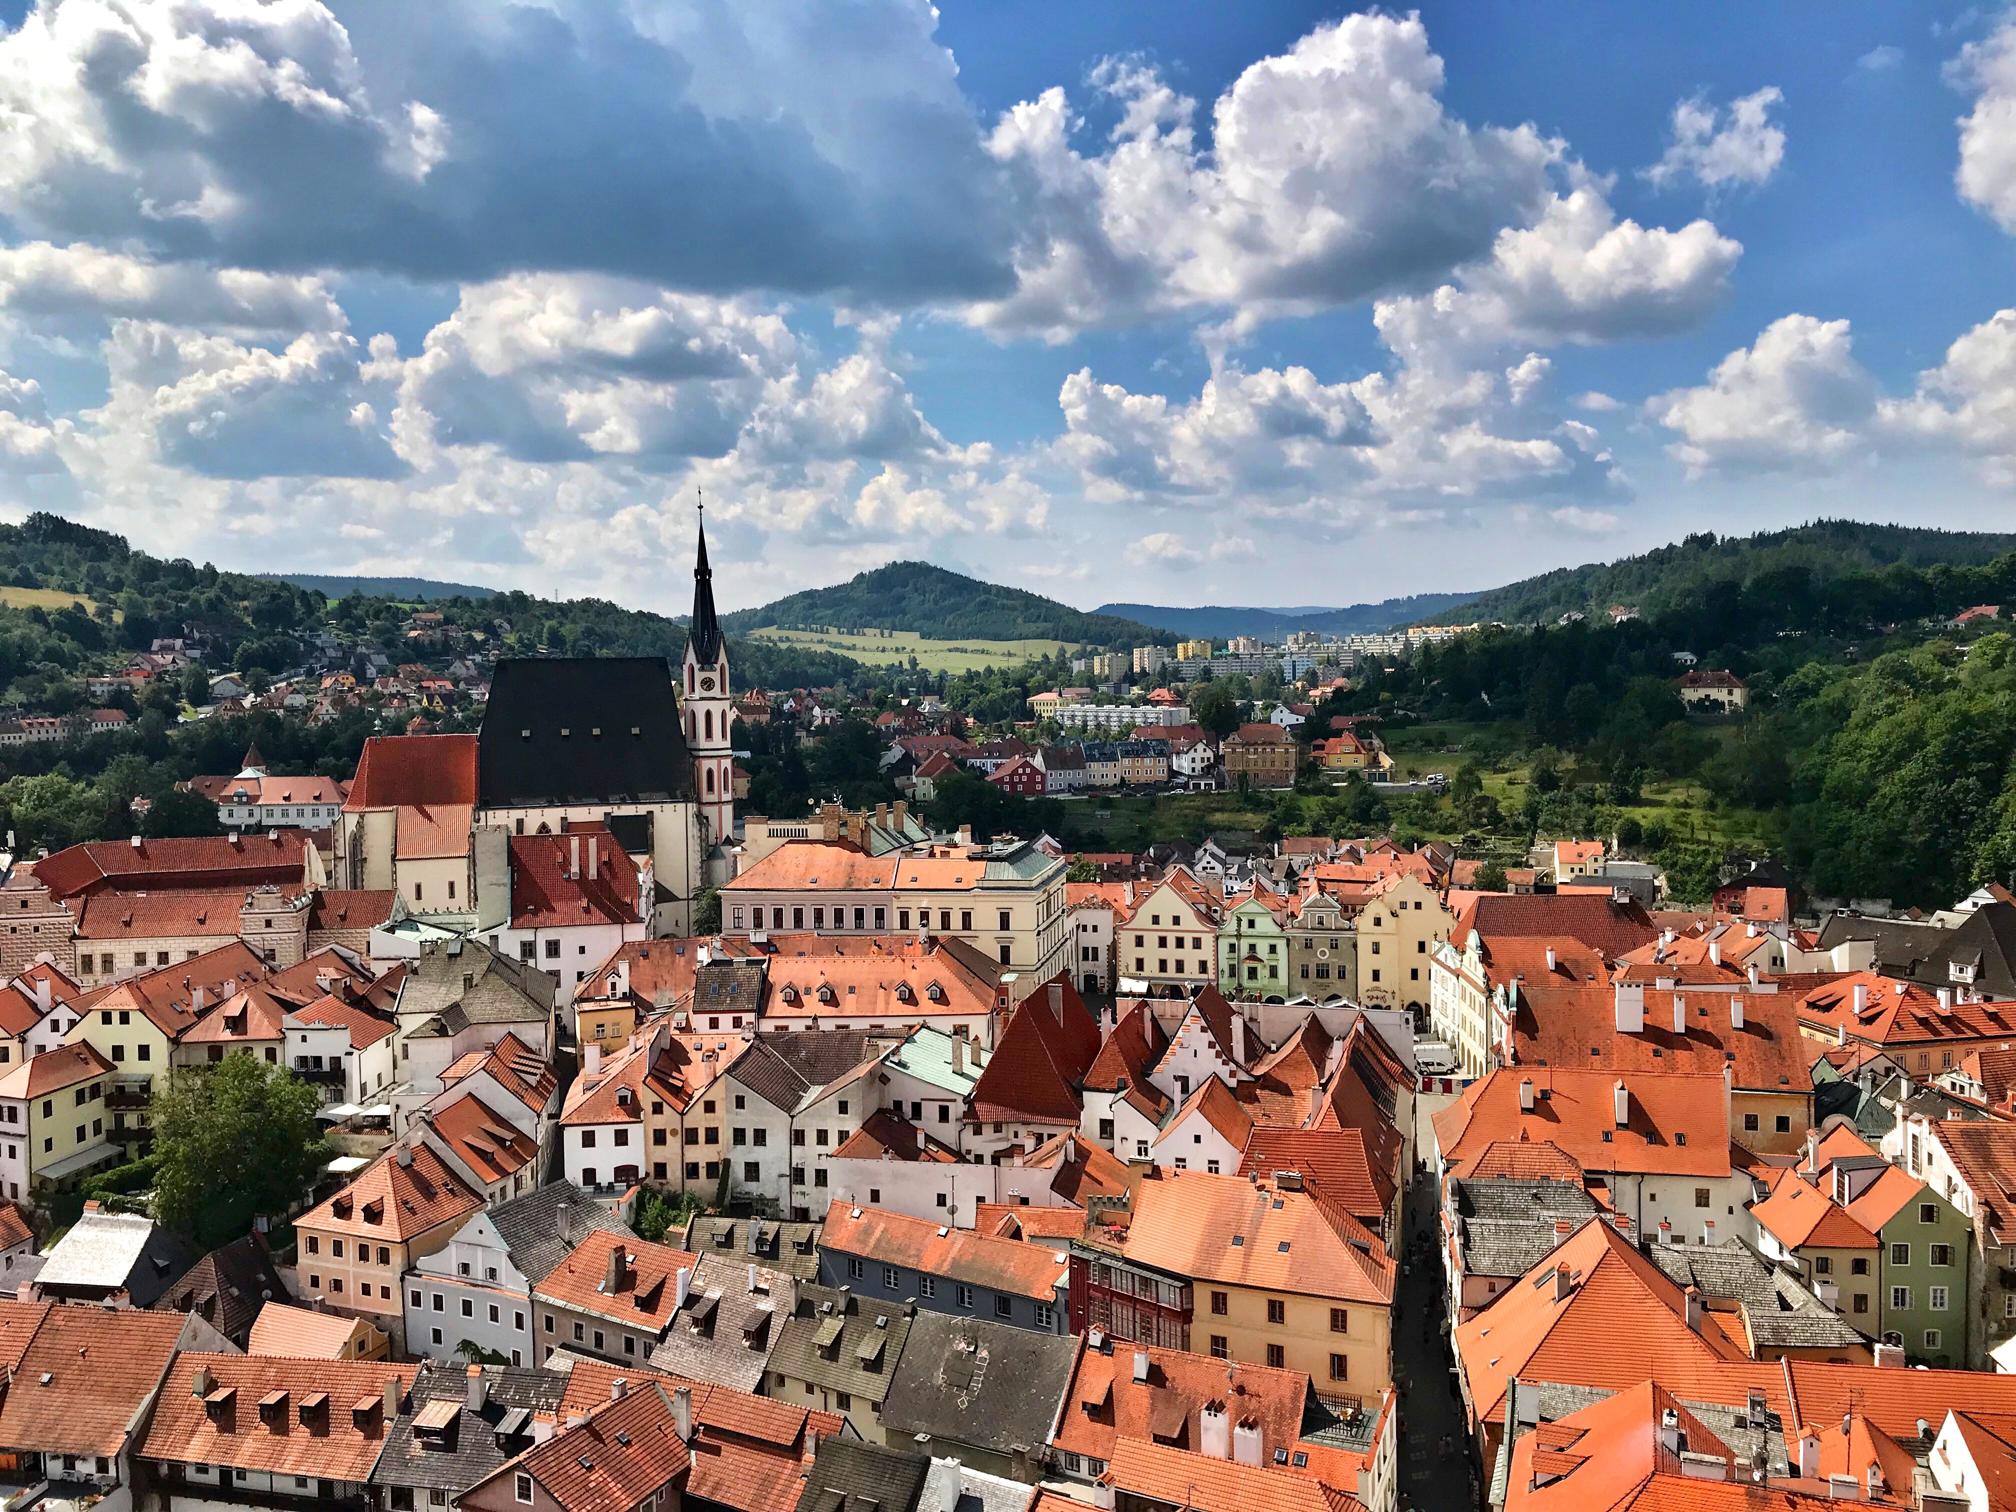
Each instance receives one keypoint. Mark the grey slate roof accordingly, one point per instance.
(784, 1069)
(104, 1252)
(729, 986)
(792, 1248)
(531, 1226)
(581, 730)
(850, 1476)
(226, 1288)
(971, 1381)
(1782, 1312)
(463, 982)
(858, 1356)
(475, 1444)
(1508, 1227)
(725, 1331)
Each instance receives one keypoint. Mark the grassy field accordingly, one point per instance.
(45, 598)
(884, 648)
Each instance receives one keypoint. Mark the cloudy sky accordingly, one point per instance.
(1167, 300)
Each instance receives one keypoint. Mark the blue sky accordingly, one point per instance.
(1168, 301)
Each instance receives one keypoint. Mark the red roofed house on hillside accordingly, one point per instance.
(1925, 1030)
(576, 899)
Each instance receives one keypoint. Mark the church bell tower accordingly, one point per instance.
(709, 712)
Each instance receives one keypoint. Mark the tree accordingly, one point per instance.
(1490, 877)
(180, 812)
(236, 1141)
(707, 911)
(1213, 706)
(1082, 871)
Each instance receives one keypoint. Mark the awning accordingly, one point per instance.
(83, 1160)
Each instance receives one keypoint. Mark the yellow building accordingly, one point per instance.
(1252, 1270)
(1193, 650)
(52, 1121)
(1400, 926)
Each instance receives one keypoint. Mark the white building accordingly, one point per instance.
(1118, 719)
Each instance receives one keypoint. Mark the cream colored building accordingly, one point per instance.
(53, 1123)
(1399, 928)
(1170, 940)
(1006, 901)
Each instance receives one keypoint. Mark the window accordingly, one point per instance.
(1340, 1320)
(1936, 1298)
(1046, 1316)
(1900, 1299)
(1823, 1265)
(1858, 1265)
(1931, 1338)
(891, 1277)
(927, 1286)
(1340, 1368)
(1861, 1303)
(1700, 1197)
(1277, 1356)
(1002, 1307)
(1277, 1310)
(1221, 1350)
(1900, 1254)
(1220, 1304)
(856, 1269)
(963, 1294)
(1942, 1254)
(1751, 1123)
(1928, 1212)
(521, 1487)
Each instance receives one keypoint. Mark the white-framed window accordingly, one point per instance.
(1936, 1298)
(1900, 1254)
(927, 1286)
(891, 1277)
(1046, 1317)
(1900, 1299)
(963, 1294)
(521, 1487)
(1931, 1338)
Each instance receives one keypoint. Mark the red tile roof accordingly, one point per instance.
(330, 1011)
(119, 915)
(1040, 1061)
(337, 908)
(646, 1293)
(1611, 1320)
(1799, 1216)
(1203, 1483)
(180, 863)
(889, 1238)
(1601, 923)
(1237, 1231)
(1576, 1029)
(392, 1200)
(85, 1377)
(1676, 1124)
(1895, 1013)
(53, 1070)
(489, 1144)
(397, 771)
(276, 1416)
(166, 994)
(626, 1451)
(553, 883)
(1335, 1159)
(1107, 1400)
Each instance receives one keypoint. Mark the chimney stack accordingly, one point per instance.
(1564, 1281)
(1679, 1014)
(594, 856)
(1525, 1094)
(478, 1388)
(1736, 1012)
(612, 1274)
(1550, 960)
(391, 1399)
(619, 1389)
(591, 1058)
(682, 1413)
(1246, 1449)
(1714, 952)
(1140, 1365)
(1622, 1100)
(1860, 998)
(682, 1286)
(573, 855)
(1694, 1309)
(1630, 1008)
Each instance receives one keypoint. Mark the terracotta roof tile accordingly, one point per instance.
(1204, 1483)
(85, 1377)
(1676, 1125)
(301, 1333)
(394, 771)
(624, 1452)
(53, 1070)
(395, 1200)
(489, 1144)
(1040, 1061)
(646, 1293)
(889, 1238)
(1106, 1400)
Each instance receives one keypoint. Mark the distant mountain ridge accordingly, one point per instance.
(405, 589)
(1669, 577)
(1219, 621)
(944, 605)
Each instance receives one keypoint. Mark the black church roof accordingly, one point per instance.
(562, 731)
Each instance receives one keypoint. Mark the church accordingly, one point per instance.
(621, 742)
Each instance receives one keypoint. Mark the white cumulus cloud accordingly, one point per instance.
(1722, 147)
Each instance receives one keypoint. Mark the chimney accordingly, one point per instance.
(1750, 972)
(391, 1399)
(1214, 1431)
(619, 1388)
(44, 998)
(1140, 1366)
(1889, 1356)
(1564, 1282)
(1945, 998)
(203, 1382)
(136, 842)
(1550, 960)
(1525, 1094)
(1694, 1309)
(1665, 1230)
(682, 1413)
(1246, 1442)
(1669, 1431)
(612, 1274)
(1861, 998)
(753, 1288)
(1622, 1100)
(478, 1388)
(1812, 1150)
(958, 1055)
(1714, 952)
(591, 1058)
(1736, 1009)
(573, 855)
(594, 856)
(682, 1286)
(1630, 1008)
(1679, 1014)
(562, 1225)
(1708, 1231)
(1809, 1454)
(1240, 1050)
(405, 1156)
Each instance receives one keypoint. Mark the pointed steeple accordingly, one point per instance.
(704, 634)
(255, 764)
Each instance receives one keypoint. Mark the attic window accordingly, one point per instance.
(1238, 1241)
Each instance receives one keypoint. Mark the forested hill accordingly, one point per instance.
(409, 589)
(927, 600)
(1222, 621)
(1670, 578)
(74, 600)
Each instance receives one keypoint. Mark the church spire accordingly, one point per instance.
(704, 634)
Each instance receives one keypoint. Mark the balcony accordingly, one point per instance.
(125, 1093)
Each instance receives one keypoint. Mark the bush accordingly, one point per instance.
(135, 1176)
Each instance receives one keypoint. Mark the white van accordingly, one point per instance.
(1433, 1058)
